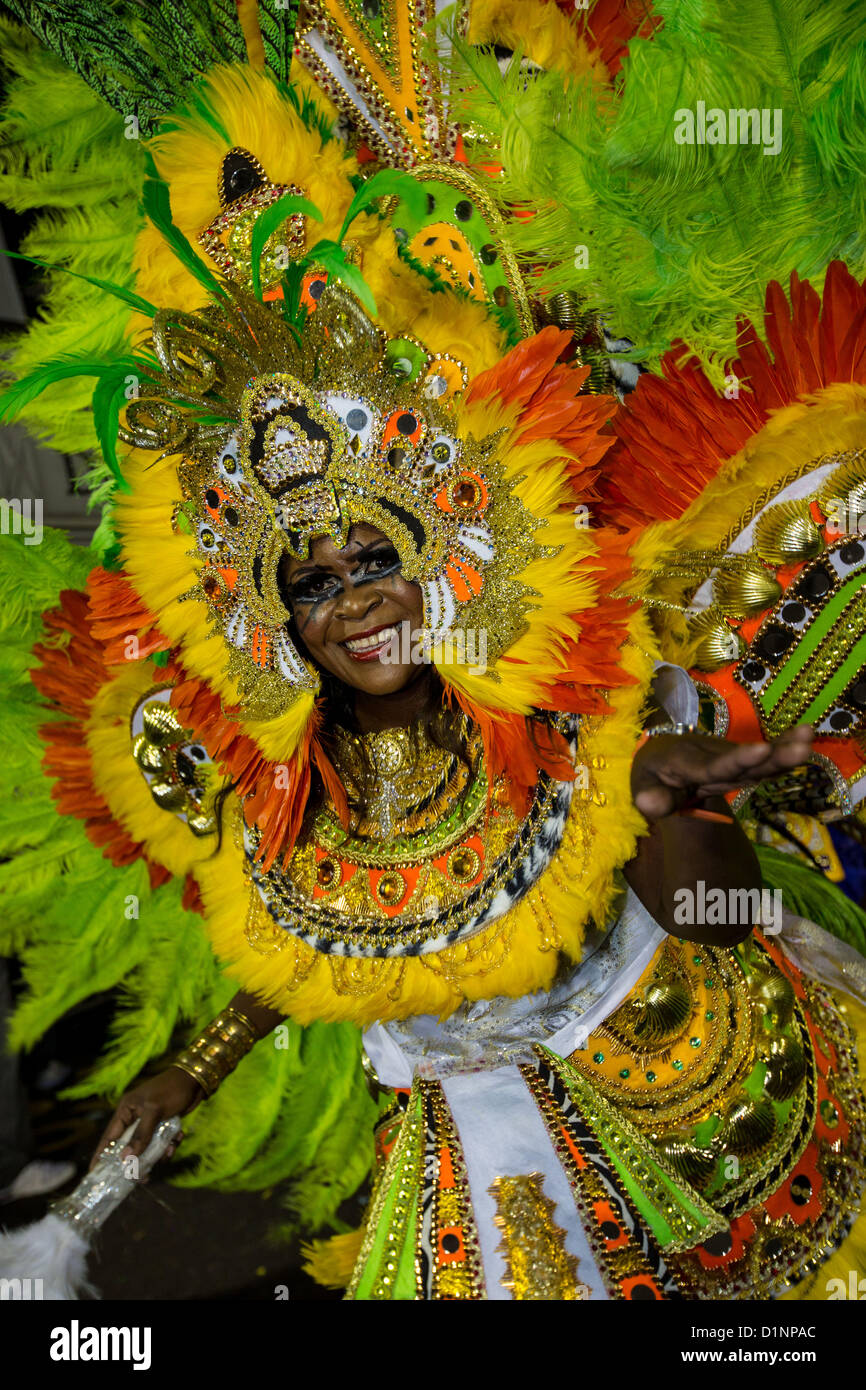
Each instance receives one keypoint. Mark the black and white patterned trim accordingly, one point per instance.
(584, 1137)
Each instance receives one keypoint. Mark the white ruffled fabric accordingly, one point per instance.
(824, 957)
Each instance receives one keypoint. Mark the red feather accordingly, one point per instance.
(675, 432)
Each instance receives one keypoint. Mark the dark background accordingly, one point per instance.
(164, 1242)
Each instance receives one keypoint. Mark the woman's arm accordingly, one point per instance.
(174, 1091)
(681, 861)
(263, 1019)
(687, 860)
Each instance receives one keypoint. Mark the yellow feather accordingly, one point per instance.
(564, 585)
(331, 1262)
(258, 117)
(540, 31)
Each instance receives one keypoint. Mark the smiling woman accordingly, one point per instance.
(514, 893)
(350, 607)
(349, 610)
(486, 871)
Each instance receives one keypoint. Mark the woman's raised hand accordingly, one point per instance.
(671, 770)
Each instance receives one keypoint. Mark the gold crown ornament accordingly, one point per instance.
(340, 434)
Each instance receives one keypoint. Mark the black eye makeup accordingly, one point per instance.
(318, 586)
(378, 564)
(314, 587)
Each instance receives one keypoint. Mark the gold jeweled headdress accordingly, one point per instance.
(319, 430)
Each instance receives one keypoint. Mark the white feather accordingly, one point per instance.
(47, 1259)
(54, 1250)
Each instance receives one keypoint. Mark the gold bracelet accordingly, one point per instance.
(215, 1053)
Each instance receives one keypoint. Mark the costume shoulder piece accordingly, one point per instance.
(757, 581)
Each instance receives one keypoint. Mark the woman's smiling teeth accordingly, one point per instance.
(371, 643)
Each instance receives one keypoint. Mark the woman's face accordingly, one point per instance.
(354, 611)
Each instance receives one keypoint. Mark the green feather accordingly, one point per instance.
(224, 14)
(28, 388)
(127, 297)
(388, 183)
(294, 312)
(808, 893)
(277, 22)
(102, 47)
(312, 115)
(109, 397)
(156, 202)
(676, 240)
(63, 155)
(332, 258)
(107, 400)
(267, 223)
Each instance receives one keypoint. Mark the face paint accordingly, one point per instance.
(352, 607)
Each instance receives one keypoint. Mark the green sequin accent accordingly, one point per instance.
(677, 1215)
(801, 692)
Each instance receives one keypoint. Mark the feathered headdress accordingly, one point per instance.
(254, 425)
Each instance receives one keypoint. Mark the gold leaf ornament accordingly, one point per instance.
(692, 1162)
(748, 1126)
(842, 496)
(786, 1066)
